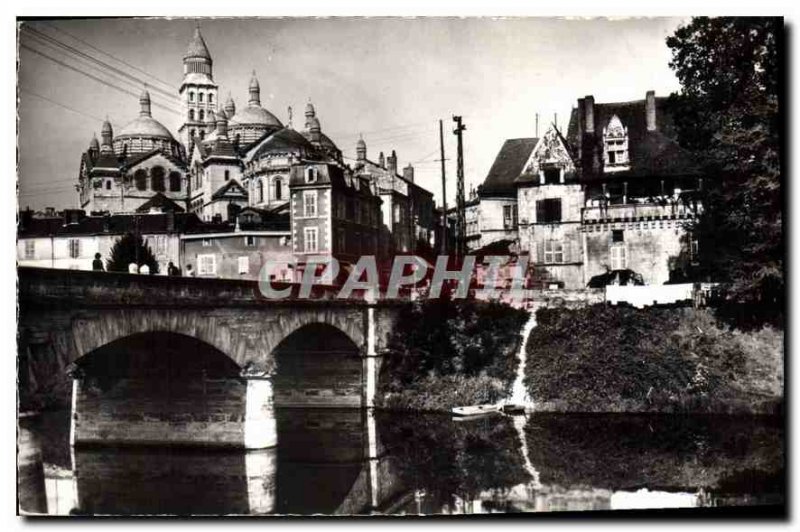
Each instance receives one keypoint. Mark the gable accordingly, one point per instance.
(550, 151)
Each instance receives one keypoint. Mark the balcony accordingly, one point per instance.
(639, 211)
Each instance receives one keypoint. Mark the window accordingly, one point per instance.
(310, 239)
(200, 99)
(191, 114)
(210, 98)
(509, 216)
(260, 191)
(191, 96)
(157, 179)
(201, 115)
(278, 193)
(140, 179)
(250, 241)
(74, 248)
(30, 249)
(618, 256)
(615, 140)
(553, 252)
(617, 235)
(396, 210)
(311, 175)
(552, 176)
(206, 265)
(227, 174)
(694, 250)
(108, 185)
(174, 182)
(309, 203)
(548, 211)
(159, 245)
(244, 265)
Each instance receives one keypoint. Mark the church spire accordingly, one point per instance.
(197, 59)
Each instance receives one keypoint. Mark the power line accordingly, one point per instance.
(67, 107)
(134, 67)
(91, 76)
(60, 44)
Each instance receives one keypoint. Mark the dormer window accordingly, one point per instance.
(615, 141)
(311, 175)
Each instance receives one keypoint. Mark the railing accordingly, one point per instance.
(639, 211)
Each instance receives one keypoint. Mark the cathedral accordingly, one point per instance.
(224, 158)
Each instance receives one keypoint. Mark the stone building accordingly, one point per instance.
(614, 194)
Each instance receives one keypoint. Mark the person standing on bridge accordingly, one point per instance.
(173, 270)
(97, 263)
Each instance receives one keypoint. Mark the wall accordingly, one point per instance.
(491, 221)
(649, 246)
(227, 248)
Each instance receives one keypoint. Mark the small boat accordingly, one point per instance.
(475, 410)
(513, 409)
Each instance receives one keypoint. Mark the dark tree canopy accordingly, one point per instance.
(131, 248)
(728, 113)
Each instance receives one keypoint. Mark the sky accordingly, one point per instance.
(388, 79)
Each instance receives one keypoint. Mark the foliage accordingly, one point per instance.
(728, 113)
(464, 338)
(617, 359)
(443, 393)
(131, 248)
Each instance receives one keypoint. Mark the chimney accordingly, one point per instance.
(408, 173)
(650, 108)
(381, 161)
(392, 163)
(588, 103)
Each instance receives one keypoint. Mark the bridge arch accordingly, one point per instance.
(318, 365)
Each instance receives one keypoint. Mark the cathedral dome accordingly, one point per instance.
(284, 141)
(254, 115)
(145, 127)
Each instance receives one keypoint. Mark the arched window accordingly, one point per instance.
(278, 193)
(227, 174)
(194, 133)
(202, 115)
(200, 97)
(191, 96)
(202, 134)
(157, 178)
(174, 182)
(140, 179)
(191, 114)
(260, 191)
(210, 98)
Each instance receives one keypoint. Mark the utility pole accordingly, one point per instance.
(444, 190)
(461, 223)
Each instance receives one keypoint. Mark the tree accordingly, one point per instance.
(728, 113)
(131, 248)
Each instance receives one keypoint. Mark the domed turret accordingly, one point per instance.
(222, 125)
(197, 59)
(107, 135)
(94, 145)
(255, 91)
(361, 149)
(144, 104)
(230, 106)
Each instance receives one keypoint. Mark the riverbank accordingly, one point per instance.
(676, 360)
(446, 353)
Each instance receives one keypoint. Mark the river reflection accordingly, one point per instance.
(340, 462)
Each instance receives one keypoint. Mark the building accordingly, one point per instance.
(70, 239)
(614, 194)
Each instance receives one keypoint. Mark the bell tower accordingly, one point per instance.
(198, 91)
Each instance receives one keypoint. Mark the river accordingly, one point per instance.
(334, 462)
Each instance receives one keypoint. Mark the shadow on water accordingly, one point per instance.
(346, 462)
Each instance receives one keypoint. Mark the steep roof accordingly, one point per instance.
(197, 46)
(161, 203)
(231, 187)
(651, 153)
(508, 164)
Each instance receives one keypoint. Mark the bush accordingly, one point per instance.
(616, 359)
(441, 345)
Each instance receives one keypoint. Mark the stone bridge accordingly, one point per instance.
(158, 359)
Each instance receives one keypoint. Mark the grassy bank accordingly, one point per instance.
(446, 353)
(613, 359)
